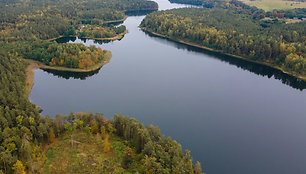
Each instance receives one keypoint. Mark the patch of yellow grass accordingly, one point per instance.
(269, 5)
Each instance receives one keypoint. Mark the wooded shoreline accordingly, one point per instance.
(33, 64)
(117, 37)
(301, 77)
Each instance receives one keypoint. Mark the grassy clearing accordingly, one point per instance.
(85, 156)
(269, 5)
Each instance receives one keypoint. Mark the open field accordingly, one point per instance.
(86, 155)
(269, 5)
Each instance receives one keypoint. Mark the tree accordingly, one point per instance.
(111, 129)
(19, 120)
(51, 135)
(18, 168)
(106, 144)
(128, 157)
(197, 169)
(70, 32)
(6, 159)
(94, 127)
(36, 152)
(102, 132)
(71, 117)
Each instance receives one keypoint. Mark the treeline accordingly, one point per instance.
(66, 55)
(156, 154)
(273, 42)
(100, 9)
(100, 32)
(36, 19)
(146, 150)
(293, 13)
(160, 155)
(241, 7)
(22, 129)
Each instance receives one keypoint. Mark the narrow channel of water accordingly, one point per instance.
(235, 117)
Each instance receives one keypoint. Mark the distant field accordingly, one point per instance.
(269, 5)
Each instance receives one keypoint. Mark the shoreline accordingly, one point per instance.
(115, 21)
(144, 9)
(33, 65)
(117, 37)
(301, 77)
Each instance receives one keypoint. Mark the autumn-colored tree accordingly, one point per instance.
(197, 169)
(94, 127)
(262, 41)
(128, 157)
(106, 144)
(51, 135)
(19, 120)
(36, 152)
(110, 129)
(18, 168)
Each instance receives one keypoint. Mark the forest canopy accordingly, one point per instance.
(26, 23)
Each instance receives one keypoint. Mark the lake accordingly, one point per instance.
(235, 117)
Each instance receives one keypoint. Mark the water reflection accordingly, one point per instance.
(139, 13)
(245, 65)
(65, 39)
(110, 24)
(75, 75)
(84, 40)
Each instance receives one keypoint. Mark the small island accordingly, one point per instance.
(96, 31)
(102, 33)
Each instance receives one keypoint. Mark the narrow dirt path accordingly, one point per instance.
(56, 140)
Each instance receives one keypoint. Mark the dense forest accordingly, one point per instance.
(298, 13)
(68, 55)
(26, 22)
(95, 32)
(236, 31)
(21, 126)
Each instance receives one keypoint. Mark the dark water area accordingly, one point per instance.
(236, 117)
(139, 13)
(69, 74)
(72, 39)
(243, 64)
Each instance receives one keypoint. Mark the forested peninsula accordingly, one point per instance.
(237, 30)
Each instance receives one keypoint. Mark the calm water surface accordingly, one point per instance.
(234, 116)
